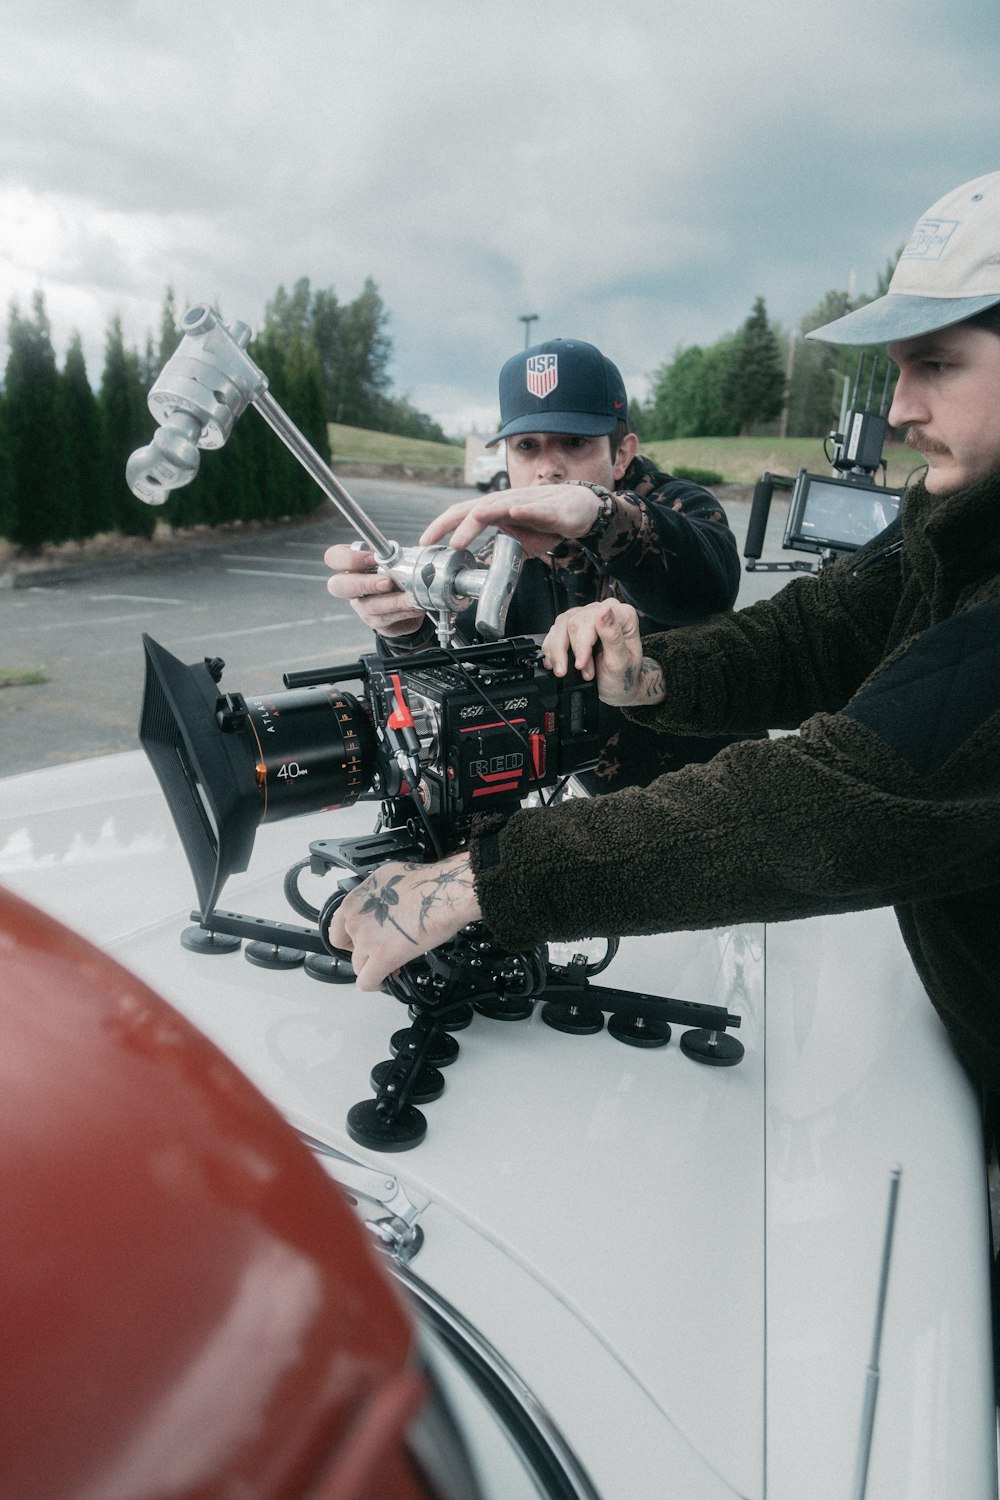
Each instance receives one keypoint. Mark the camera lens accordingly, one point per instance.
(315, 749)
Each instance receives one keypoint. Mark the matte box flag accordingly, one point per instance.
(542, 375)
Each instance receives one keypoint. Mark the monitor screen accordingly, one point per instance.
(838, 513)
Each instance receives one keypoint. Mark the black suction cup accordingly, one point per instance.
(578, 1020)
(375, 1127)
(201, 940)
(442, 1050)
(330, 970)
(716, 1048)
(505, 1008)
(272, 956)
(637, 1031)
(427, 1086)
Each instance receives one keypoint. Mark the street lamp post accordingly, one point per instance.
(527, 319)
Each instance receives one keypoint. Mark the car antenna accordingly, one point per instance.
(872, 1375)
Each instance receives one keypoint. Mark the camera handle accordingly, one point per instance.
(757, 526)
(444, 581)
(207, 384)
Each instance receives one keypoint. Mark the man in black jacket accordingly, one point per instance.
(888, 663)
(586, 536)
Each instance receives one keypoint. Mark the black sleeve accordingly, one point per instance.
(675, 565)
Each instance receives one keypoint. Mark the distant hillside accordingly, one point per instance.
(361, 446)
(743, 460)
(738, 460)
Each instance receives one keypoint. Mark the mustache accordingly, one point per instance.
(917, 438)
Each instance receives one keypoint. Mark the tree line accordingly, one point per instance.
(759, 378)
(64, 446)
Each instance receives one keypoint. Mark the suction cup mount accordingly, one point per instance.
(201, 939)
(273, 956)
(717, 1049)
(446, 988)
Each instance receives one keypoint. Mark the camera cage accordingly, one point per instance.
(491, 727)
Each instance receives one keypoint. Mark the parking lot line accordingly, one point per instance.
(134, 599)
(276, 573)
(266, 629)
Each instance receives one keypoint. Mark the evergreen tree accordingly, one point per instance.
(326, 330)
(281, 485)
(149, 365)
(170, 334)
(80, 419)
(398, 415)
(822, 371)
(814, 390)
(754, 385)
(353, 348)
(288, 316)
(305, 397)
(126, 425)
(688, 395)
(36, 504)
(366, 349)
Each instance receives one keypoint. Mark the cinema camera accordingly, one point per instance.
(831, 516)
(436, 737)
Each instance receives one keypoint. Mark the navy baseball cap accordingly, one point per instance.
(564, 385)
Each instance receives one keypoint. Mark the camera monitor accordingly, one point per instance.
(837, 514)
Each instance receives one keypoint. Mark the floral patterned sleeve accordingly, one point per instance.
(672, 555)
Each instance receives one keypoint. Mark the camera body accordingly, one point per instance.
(438, 737)
(490, 731)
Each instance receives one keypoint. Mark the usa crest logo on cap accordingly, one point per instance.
(542, 374)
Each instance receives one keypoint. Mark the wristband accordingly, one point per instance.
(605, 513)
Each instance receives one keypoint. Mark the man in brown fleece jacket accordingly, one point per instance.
(888, 664)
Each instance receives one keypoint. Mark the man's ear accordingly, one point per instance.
(627, 449)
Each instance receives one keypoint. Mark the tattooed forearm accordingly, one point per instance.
(652, 687)
(445, 888)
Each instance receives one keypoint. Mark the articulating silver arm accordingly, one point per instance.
(209, 382)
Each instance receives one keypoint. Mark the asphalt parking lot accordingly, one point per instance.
(259, 602)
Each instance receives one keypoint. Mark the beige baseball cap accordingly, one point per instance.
(949, 270)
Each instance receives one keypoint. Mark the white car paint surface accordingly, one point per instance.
(681, 1262)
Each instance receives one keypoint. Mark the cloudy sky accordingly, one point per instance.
(634, 174)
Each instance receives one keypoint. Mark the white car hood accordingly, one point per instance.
(698, 1245)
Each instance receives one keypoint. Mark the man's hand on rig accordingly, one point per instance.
(402, 911)
(539, 517)
(603, 640)
(377, 601)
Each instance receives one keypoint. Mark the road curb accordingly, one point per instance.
(25, 575)
(27, 578)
